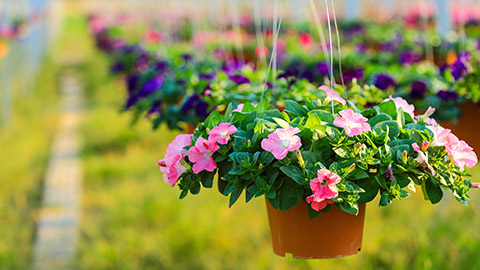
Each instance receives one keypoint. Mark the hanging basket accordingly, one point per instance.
(329, 235)
(465, 127)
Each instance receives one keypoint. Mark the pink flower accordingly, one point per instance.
(201, 155)
(402, 103)
(221, 133)
(461, 153)
(422, 156)
(332, 95)
(323, 188)
(318, 205)
(282, 141)
(353, 123)
(431, 122)
(441, 136)
(475, 185)
(306, 40)
(240, 107)
(171, 165)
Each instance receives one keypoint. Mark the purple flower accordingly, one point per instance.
(190, 103)
(132, 82)
(207, 76)
(234, 66)
(350, 74)
(161, 66)
(322, 68)
(459, 68)
(389, 46)
(418, 90)
(156, 107)
(447, 95)
(117, 68)
(201, 109)
(361, 47)
(389, 173)
(478, 44)
(239, 79)
(409, 57)
(384, 81)
(187, 57)
(308, 75)
(151, 86)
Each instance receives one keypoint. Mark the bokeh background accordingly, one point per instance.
(129, 218)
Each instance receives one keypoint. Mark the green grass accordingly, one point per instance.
(24, 151)
(133, 220)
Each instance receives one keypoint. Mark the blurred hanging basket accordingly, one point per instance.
(465, 127)
(329, 235)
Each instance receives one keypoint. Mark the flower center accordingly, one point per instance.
(285, 143)
(208, 154)
(223, 134)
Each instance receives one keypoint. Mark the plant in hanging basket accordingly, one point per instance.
(321, 158)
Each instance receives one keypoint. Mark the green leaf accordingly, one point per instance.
(393, 128)
(235, 195)
(389, 108)
(281, 122)
(275, 202)
(434, 191)
(314, 122)
(386, 199)
(207, 180)
(295, 173)
(290, 195)
(294, 108)
(346, 207)
(324, 116)
(358, 174)
(228, 112)
(222, 184)
(350, 186)
(379, 118)
(371, 188)
(195, 189)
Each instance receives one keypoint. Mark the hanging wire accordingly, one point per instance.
(274, 49)
(331, 53)
(428, 46)
(259, 31)
(313, 7)
(462, 20)
(339, 49)
(274, 34)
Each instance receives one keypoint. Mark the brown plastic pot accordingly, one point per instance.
(329, 235)
(467, 127)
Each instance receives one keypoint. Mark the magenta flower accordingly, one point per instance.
(323, 188)
(282, 141)
(461, 153)
(422, 156)
(221, 133)
(475, 185)
(431, 122)
(402, 103)
(201, 155)
(171, 165)
(332, 95)
(353, 123)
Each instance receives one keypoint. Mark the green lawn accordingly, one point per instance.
(133, 220)
(24, 151)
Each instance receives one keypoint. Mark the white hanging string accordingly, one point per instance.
(339, 49)
(318, 23)
(332, 79)
(428, 46)
(259, 31)
(274, 34)
(274, 49)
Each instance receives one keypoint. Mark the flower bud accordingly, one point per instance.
(300, 158)
(405, 157)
